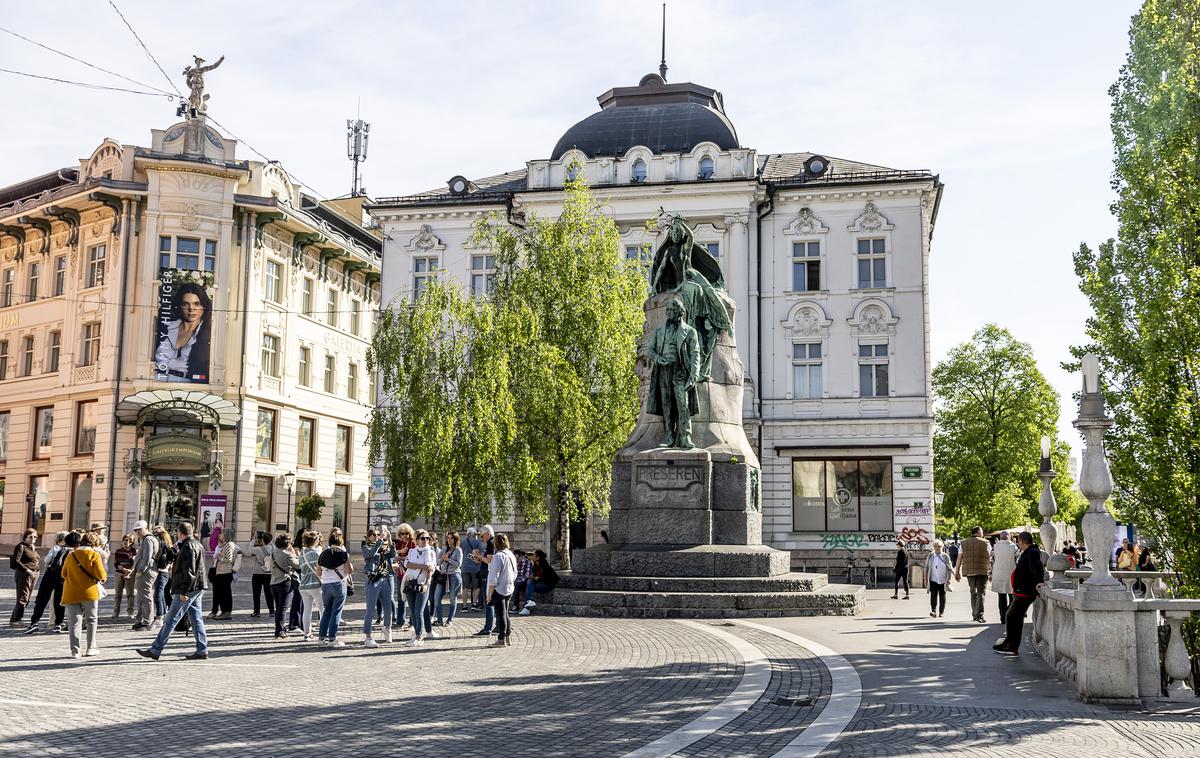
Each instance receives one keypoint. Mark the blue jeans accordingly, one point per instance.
(455, 584)
(378, 592)
(399, 582)
(333, 599)
(160, 594)
(194, 608)
(416, 608)
(489, 618)
(532, 587)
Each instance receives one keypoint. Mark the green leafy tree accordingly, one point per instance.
(444, 426)
(1144, 286)
(993, 406)
(573, 307)
(309, 508)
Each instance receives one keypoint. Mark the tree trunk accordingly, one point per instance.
(564, 524)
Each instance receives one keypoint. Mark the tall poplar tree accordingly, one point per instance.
(1144, 286)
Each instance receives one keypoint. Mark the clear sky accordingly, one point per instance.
(1007, 102)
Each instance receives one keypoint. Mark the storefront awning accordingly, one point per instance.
(177, 408)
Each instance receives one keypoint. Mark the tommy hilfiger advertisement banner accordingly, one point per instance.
(183, 331)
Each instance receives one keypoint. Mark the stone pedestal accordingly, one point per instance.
(685, 528)
(1106, 646)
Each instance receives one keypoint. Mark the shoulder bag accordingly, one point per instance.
(99, 584)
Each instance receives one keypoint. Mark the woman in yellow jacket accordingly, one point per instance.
(82, 573)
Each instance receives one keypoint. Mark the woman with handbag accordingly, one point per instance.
(310, 582)
(226, 562)
(405, 541)
(502, 578)
(418, 573)
(450, 567)
(83, 574)
(285, 578)
(163, 560)
(335, 570)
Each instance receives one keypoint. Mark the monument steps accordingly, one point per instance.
(830, 600)
(791, 582)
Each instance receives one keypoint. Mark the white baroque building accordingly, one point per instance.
(827, 260)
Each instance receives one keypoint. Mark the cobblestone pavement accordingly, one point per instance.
(567, 686)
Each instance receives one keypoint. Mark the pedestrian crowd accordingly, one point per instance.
(413, 581)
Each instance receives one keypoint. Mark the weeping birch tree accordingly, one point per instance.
(572, 306)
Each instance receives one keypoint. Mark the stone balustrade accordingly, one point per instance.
(1063, 619)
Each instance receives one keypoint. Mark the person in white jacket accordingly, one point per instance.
(1004, 560)
(937, 568)
(502, 578)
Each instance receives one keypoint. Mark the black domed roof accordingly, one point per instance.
(666, 118)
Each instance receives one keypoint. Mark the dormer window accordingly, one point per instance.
(572, 172)
(637, 174)
(706, 168)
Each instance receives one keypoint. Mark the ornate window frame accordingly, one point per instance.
(872, 224)
(806, 322)
(806, 227)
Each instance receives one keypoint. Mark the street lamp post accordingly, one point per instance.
(1095, 479)
(289, 480)
(1056, 561)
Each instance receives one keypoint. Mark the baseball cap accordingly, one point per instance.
(139, 525)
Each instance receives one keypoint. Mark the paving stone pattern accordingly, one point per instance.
(565, 687)
(767, 727)
(896, 729)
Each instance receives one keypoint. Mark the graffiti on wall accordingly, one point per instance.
(914, 538)
(842, 541)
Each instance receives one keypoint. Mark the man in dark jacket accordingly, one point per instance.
(1027, 578)
(187, 596)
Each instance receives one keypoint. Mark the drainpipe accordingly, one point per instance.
(112, 450)
(247, 239)
(764, 209)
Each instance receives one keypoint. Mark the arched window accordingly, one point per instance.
(638, 172)
(706, 168)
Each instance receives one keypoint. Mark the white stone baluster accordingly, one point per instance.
(1177, 662)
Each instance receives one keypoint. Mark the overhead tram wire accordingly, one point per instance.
(80, 60)
(86, 85)
(262, 155)
(149, 54)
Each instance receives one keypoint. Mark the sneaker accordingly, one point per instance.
(449, 623)
(31, 630)
(498, 643)
(524, 612)
(75, 654)
(196, 657)
(139, 627)
(1008, 653)
(92, 652)
(530, 604)
(999, 646)
(507, 642)
(378, 620)
(932, 615)
(147, 653)
(281, 635)
(322, 642)
(438, 623)
(895, 597)
(370, 643)
(59, 629)
(940, 615)
(308, 638)
(156, 624)
(483, 633)
(255, 615)
(906, 597)
(336, 643)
